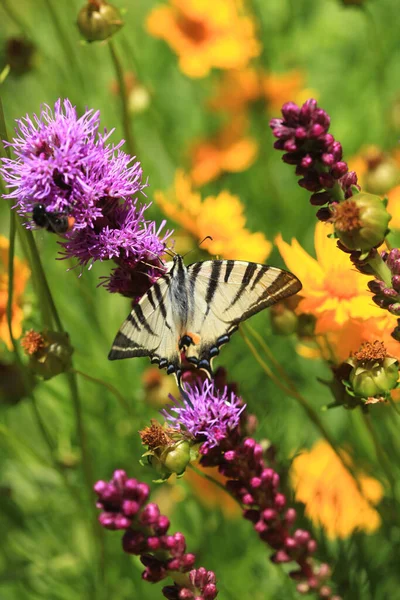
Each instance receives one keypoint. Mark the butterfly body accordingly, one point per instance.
(196, 309)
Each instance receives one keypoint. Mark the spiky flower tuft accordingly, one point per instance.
(207, 414)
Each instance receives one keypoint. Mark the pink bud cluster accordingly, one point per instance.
(123, 502)
(256, 487)
(303, 135)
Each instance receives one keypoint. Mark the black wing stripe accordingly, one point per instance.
(132, 321)
(248, 274)
(124, 347)
(229, 267)
(151, 299)
(213, 281)
(262, 270)
(284, 285)
(156, 288)
(142, 319)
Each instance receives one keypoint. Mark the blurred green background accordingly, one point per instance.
(351, 58)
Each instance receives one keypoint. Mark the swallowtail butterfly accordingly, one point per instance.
(196, 309)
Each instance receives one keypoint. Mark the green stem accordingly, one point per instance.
(51, 448)
(310, 412)
(121, 399)
(87, 467)
(126, 121)
(41, 287)
(9, 9)
(381, 455)
(393, 405)
(337, 192)
(11, 253)
(380, 268)
(264, 365)
(69, 49)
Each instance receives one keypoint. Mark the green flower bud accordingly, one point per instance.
(284, 320)
(361, 222)
(168, 452)
(384, 177)
(20, 55)
(374, 373)
(98, 20)
(177, 458)
(50, 352)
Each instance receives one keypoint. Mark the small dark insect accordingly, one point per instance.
(55, 222)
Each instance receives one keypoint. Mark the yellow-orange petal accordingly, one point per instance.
(240, 155)
(300, 263)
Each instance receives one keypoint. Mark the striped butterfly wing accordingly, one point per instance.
(224, 293)
(149, 330)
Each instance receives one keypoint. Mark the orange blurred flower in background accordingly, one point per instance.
(394, 206)
(330, 494)
(21, 276)
(239, 88)
(205, 34)
(222, 217)
(231, 150)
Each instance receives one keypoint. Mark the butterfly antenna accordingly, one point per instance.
(183, 392)
(208, 237)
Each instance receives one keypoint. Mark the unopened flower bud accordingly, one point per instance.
(284, 320)
(168, 453)
(374, 373)
(20, 55)
(50, 352)
(177, 458)
(361, 222)
(98, 20)
(384, 176)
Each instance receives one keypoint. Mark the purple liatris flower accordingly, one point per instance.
(207, 414)
(66, 170)
(123, 501)
(303, 135)
(64, 163)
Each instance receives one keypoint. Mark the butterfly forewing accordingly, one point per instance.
(227, 292)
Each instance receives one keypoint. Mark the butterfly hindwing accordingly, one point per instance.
(149, 329)
(224, 293)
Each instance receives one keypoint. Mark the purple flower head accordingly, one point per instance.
(207, 414)
(303, 135)
(63, 163)
(65, 169)
(121, 234)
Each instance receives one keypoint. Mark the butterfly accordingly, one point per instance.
(196, 309)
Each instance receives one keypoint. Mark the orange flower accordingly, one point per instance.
(393, 206)
(21, 276)
(220, 216)
(205, 34)
(210, 494)
(333, 291)
(278, 88)
(239, 88)
(330, 494)
(230, 151)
